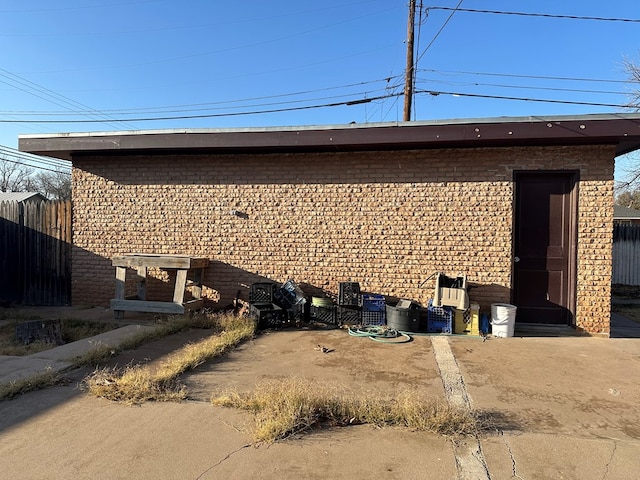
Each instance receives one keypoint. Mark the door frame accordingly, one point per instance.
(572, 275)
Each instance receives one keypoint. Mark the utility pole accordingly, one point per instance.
(408, 83)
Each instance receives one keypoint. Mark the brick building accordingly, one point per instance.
(522, 206)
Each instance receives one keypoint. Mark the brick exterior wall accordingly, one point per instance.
(385, 219)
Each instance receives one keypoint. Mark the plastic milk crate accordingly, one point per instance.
(467, 322)
(349, 294)
(268, 315)
(439, 319)
(373, 302)
(349, 316)
(262, 292)
(324, 314)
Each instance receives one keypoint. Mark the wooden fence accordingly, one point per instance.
(626, 254)
(35, 253)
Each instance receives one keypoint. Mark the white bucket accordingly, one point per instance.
(503, 319)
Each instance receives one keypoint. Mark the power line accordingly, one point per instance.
(544, 15)
(78, 7)
(216, 105)
(523, 87)
(435, 93)
(539, 77)
(216, 115)
(24, 164)
(335, 104)
(454, 10)
(28, 157)
(49, 95)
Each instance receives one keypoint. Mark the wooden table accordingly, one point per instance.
(184, 266)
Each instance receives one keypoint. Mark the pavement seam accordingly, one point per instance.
(470, 462)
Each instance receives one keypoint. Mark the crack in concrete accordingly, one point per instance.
(229, 455)
(514, 467)
(606, 467)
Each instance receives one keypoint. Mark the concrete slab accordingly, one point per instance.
(567, 386)
(558, 407)
(542, 456)
(60, 358)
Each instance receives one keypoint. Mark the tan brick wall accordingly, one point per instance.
(385, 219)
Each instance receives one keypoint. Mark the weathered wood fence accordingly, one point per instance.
(626, 254)
(35, 253)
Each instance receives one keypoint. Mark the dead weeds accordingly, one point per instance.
(290, 406)
(136, 384)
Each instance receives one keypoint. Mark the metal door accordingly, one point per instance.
(544, 247)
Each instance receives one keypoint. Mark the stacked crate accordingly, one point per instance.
(323, 310)
(262, 306)
(349, 311)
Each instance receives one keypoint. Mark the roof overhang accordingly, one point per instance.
(619, 130)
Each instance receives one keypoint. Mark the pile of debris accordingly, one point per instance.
(448, 312)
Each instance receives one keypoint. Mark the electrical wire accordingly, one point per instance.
(524, 87)
(217, 115)
(436, 93)
(34, 166)
(39, 162)
(78, 7)
(328, 105)
(439, 31)
(211, 105)
(538, 77)
(544, 15)
(50, 96)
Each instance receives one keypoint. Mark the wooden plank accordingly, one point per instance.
(159, 261)
(121, 276)
(146, 306)
(181, 284)
(198, 274)
(193, 304)
(142, 283)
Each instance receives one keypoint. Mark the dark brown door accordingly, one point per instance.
(544, 248)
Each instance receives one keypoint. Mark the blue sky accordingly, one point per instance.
(122, 61)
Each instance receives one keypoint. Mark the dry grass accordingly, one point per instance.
(172, 324)
(71, 330)
(18, 387)
(286, 407)
(137, 384)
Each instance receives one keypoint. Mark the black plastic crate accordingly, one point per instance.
(349, 315)
(324, 314)
(298, 312)
(262, 292)
(268, 315)
(349, 294)
(373, 318)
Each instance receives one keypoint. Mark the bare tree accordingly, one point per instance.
(54, 185)
(632, 70)
(631, 173)
(629, 199)
(15, 177)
